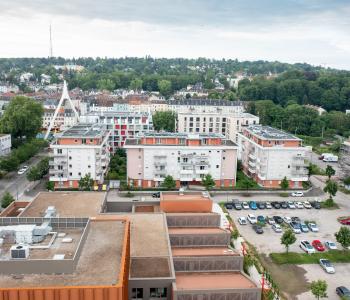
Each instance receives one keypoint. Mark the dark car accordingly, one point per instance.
(156, 195)
(284, 204)
(237, 205)
(258, 229)
(296, 219)
(278, 219)
(343, 292)
(261, 219)
(229, 205)
(276, 205)
(315, 204)
(261, 205)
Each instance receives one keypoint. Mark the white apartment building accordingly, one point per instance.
(80, 150)
(268, 155)
(228, 125)
(185, 157)
(122, 125)
(5, 144)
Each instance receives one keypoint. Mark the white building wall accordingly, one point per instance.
(5, 144)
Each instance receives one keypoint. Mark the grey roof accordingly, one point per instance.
(270, 133)
(206, 102)
(85, 131)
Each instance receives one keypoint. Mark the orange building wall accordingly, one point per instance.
(75, 141)
(173, 206)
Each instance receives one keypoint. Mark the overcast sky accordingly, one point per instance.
(312, 31)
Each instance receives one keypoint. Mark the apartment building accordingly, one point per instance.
(205, 106)
(123, 125)
(186, 157)
(268, 155)
(227, 124)
(5, 144)
(344, 161)
(82, 149)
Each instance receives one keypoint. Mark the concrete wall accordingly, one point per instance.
(126, 206)
(227, 294)
(208, 263)
(147, 284)
(190, 240)
(193, 220)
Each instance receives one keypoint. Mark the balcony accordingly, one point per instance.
(160, 163)
(252, 157)
(252, 164)
(189, 171)
(206, 171)
(251, 170)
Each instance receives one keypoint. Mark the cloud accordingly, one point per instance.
(313, 31)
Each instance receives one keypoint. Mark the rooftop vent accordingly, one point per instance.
(19, 251)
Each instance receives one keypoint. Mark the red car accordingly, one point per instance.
(318, 245)
(345, 221)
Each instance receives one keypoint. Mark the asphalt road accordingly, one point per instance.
(320, 163)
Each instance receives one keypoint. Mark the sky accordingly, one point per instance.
(311, 31)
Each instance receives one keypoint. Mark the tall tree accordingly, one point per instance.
(164, 120)
(86, 183)
(331, 188)
(330, 171)
(319, 289)
(22, 118)
(343, 236)
(169, 182)
(164, 87)
(284, 183)
(288, 238)
(208, 182)
(6, 200)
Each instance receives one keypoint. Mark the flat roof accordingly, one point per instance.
(207, 281)
(205, 102)
(196, 230)
(84, 130)
(99, 262)
(67, 204)
(4, 134)
(184, 197)
(270, 133)
(204, 251)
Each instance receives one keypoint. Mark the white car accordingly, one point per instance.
(277, 228)
(268, 205)
(270, 220)
(22, 170)
(307, 247)
(299, 205)
(313, 227)
(330, 245)
(252, 219)
(327, 266)
(287, 220)
(307, 204)
(245, 205)
(291, 204)
(242, 220)
(297, 194)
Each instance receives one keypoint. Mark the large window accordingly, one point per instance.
(137, 293)
(158, 293)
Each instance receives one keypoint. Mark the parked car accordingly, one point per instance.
(297, 194)
(296, 219)
(306, 246)
(313, 227)
(237, 205)
(291, 204)
(245, 205)
(229, 205)
(156, 195)
(270, 220)
(242, 220)
(307, 204)
(278, 219)
(299, 205)
(276, 205)
(252, 205)
(343, 292)
(295, 227)
(258, 229)
(287, 220)
(261, 205)
(316, 204)
(261, 219)
(304, 227)
(277, 228)
(345, 221)
(22, 170)
(268, 205)
(327, 266)
(318, 245)
(284, 204)
(330, 245)
(252, 219)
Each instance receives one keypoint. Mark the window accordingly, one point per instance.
(202, 168)
(217, 166)
(70, 166)
(70, 157)
(59, 151)
(185, 159)
(79, 173)
(70, 174)
(83, 141)
(158, 292)
(137, 293)
(89, 166)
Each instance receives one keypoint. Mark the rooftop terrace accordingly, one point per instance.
(270, 133)
(84, 131)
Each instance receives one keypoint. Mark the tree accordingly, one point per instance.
(330, 171)
(33, 174)
(136, 84)
(169, 182)
(50, 186)
(319, 289)
(343, 236)
(9, 163)
(105, 84)
(284, 183)
(86, 182)
(208, 182)
(288, 238)
(164, 120)
(331, 188)
(39, 171)
(6, 200)
(22, 118)
(164, 87)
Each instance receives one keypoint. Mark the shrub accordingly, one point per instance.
(6, 200)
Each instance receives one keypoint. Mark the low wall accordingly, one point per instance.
(190, 240)
(193, 220)
(208, 263)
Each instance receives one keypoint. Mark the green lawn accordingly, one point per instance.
(304, 258)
